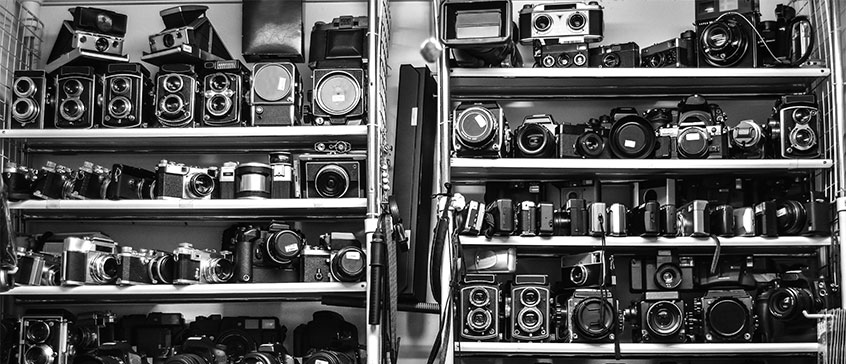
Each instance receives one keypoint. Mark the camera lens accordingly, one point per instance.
(24, 110)
(717, 38)
(101, 44)
(348, 264)
(119, 107)
(71, 109)
(72, 87)
(479, 297)
(284, 246)
(161, 268)
(219, 82)
(171, 104)
(802, 138)
(791, 217)
(272, 82)
(664, 318)
(579, 59)
(24, 87)
(173, 83)
(563, 60)
(803, 115)
(594, 317)
(218, 105)
(746, 134)
(201, 185)
(37, 331)
(476, 126)
(548, 61)
(84, 337)
(259, 358)
(332, 181)
(533, 140)
(39, 354)
(724, 43)
(529, 319)
(579, 275)
(103, 268)
(337, 93)
(788, 303)
(576, 21)
(237, 345)
(219, 270)
(727, 317)
(530, 297)
(185, 358)
(668, 276)
(119, 85)
(693, 142)
(590, 145)
(168, 40)
(632, 137)
(252, 180)
(329, 357)
(561, 223)
(542, 22)
(479, 319)
(50, 276)
(611, 60)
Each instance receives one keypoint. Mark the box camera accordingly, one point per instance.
(591, 317)
(194, 266)
(479, 129)
(51, 181)
(480, 33)
(130, 183)
(92, 329)
(500, 218)
(722, 220)
(32, 100)
(89, 259)
(668, 272)
(659, 317)
(338, 96)
(338, 257)
(727, 33)
(339, 44)
(530, 311)
(177, 96)
(677, 52)
(622, 55)
(38, 268)
(794, 127)
(748, 140)
(144, 266)
(89, 182)
(479, 309)
(701, 130)
(536, 137)
(153, 334)
(44, 339)
(565, 21)
(270, 254)
(330, 176)
(585, 270)
(93, 36)
(803, 218)
(224, 88)
(561, 55)
(127, 96)
(780, 307)
(584, 141)
(188, 35)
(178, 181)
(766, 222)
(790, 38)
(645, 220)
(744, 221)
(77, 89)
(693, 219)
(240, 335)
(276, 94)
(725, 316)
(327, 338)
(199, 349)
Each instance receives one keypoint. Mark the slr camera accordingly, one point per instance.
(561, 55)
(694, 219)
(144, 266)
(536, 137)
(530, 308)
(127, 96)
(154, 335)
(240, 335)
(338, 257)
(44, 339)
(130, 183)
(270, 254)
(177, 96)
(480, 308)
(331, 175)
(32, 100)
(479, 129)
(727, 33)
(584, 141)
(327, 338)
(668, 272)
(224, 88)
(178, 181)
(794, 127)
(622, 55)
(677, 52)
(659, 317)
(89, 182)
(701, 130)
(724, 316)
(38, 268)
(92, 329)
(194, 266)
(276, 94)
(585, 270)
(77, 89)
(748, 140)
(89, 259)
(52, 181)
(591, 317)
(780, 307)
(270, 353)
(198, 350)
(803, 218)
(566, 22)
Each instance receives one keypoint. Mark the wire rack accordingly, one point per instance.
(382, 68)
(831, 332)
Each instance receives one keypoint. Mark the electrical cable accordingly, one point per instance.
(716, 258)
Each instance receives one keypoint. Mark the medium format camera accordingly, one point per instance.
(44, 339)
(127, 96)
(178, 181)
(585, 270)
(564, 21)
(340, 43)
(631, 135)
(327, 338)
(500, 217)
(187, 28)
(748, 140)
(330, 176)
(270, 254)
(794, 127)
(338, 257)
(479, 307)
(276, 94)
(51, 181)
(790, 38)
(194, 266)
(338, 96)
(224, 91)
(89, 259)
(480, 33)
(89, 182)
(725, 316)
(701, 130)
(668, 272)
(144, 266)
(530, 311)
(177, 95)
(645, 220)
(536, 137)
(693, 219)
(677, 52)
(766, 222)
(563, 55)
(32, 100)
(659, 317)
(727, 33)
(92, 329)
(240, 335)
(77, 89)
(130, 183)
(153, 334)
(591, 317)
(622, 55)
(38, 268)
(198, 350)
(479, 129)
(93, 36)
(584, 141)
(803, 218)
(781, 305)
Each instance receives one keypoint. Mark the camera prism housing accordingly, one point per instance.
(223, 93)
(276, 95)
(89, 260)
(620, 55)
(127, 96)
(178, 181)
(591, 317)
(479, 129)
(566, 22)
(77, 89)
(193, 266)
(561, 55)
(32, 100)
(338, 96)
(585, 270)
(725, 316)
(177, 96)
(530, 308)
(479, 309)
(795, 127)
(536, 137)
(330, 176)
(44, 338)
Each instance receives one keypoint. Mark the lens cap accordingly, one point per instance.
(632, 137)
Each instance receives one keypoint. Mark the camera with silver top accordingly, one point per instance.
(564, 21)
(194, 265)
(701, 130)
(585, 270)
(38, 268)
(338, 257)
(176, 180)
(32, 100)
(621, 55)
(89, 259)
(89, 182)
(536, 138)
(51, 181)
(144, 266)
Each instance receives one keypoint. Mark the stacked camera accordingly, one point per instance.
(695, 129)
(61, 337)
(89, 83)
(334, 173)
(481, 34)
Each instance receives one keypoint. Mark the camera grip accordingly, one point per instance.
(244, 260)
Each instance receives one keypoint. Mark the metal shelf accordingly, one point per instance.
(210, 292)
(479, 169)
(192, 209)
(635, 243)
(185, 139)
(635, 349)
(521, 83)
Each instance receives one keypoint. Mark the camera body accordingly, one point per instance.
(536, 137)
(617, 224)
(240, 334)
(91, 330)
(224, 93)
(178, 181)
(177, 96)
(144, 266)
(803, 218)
(766, 222)
(194, 266)
(127, 96)
(527, 219)
(661, 318)
(480, 33)
(90, 182)
(725, 316)
(748, 140)
(89, 259)
(153, 334)
(479, 129)
(722, 220)
(51, 181)
(201, 346)
(331, 175)
(187, 28)
(44, 338)
(545, 219)
(645, 219)
(92, 36)
(694, 219)
(561, 55)
(591, 317)
(668, 220)
(130, 183)
(727, 33)
(744, 221)
(480, 308)
(597, 219)
(668, 272)
(677, 52)
(32, 100)
(568, 22)
(584, 141)
(327, 337)
(270, 254)
(702, 133)
(585, 270)
(38, 268)
(530, 308)
(77, 89)
(501, 217)
(338, 257)
(338, 96)
(621, 55)
(795, 127)
(276, 94)
(473, 218)
(780, 307)
(571, 219)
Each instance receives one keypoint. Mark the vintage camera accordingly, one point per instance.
(536, 137)
(283, 175)
(530, 311)
(276, 94)
(178, 181)
(479, 129)
(224, 91)
(338, 257)
(480, 307)
(803, 218)
(567, 22)
(571, 219)
(722, 220)
(617, 225)
(89, 259)
(44, 339)
(327, 338)
(693, 219)
(790, 38)
(561, 55)
(32, 100)
(92, 329)
(748, 140)
(500, 218)
(622, 55)
(724, 316)
(701, 130)
(668, 220)
(744, 221)
(645, 220)
(668, 272)
(585, 270)
(338, 96)
(251, 180)
(93, 36)
(794, 127)
(584, 141)
(631, 135)
(177, 96)
(766, 222)
(781, 305)
(727, 33)
(226, 181)
(120, 352)
(89, 182)
(154, 335)
(598, 223)
(144, 266)
(473, 218)
(240, 335)
(591, 317)
(527, 219)
(677, 52)
(659, 317)
(77, 89)
(330, 176)
(545, 219)
(194, 266)
(340, 43)
(480, 33)
(187, 30)
(130, 183)
(269, 254)
(19, 181)
(51, 181)
(200, 350)
(127, 96)
(38, 268)
(270, 353)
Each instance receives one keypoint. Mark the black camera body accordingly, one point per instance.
(727, 36)
(500, 217)
(722, 220)
(90, 182)
(545, 219)
(811, 218)
(38, 268)
(677, 52)
(591, 317)
(327, 335)
(224, 93)
(77, 89)
(480, 308)
(780, 307)
(44, 338)
(270, 254)
(660, 318)
(178, 181)
(571, 219)
(479, 129)
(795, 127)
(338, 257)
(668, 220)
(153, 335)
(748, 140)
(145, 266)
(127, 96)
(585, 270)
(561, 55)
(91, 330)
(570, 22)
(530, 314)
(177, 96)
(130, 183)
(535, 138)
(32, 104)
(766, 221)
(621, 55)
(480, 33)
(239, 334)
(341, 43)
(702, 133)
(584, 141)
(331, 175)
(193, 266)
(89, 260)
(188, 30)
(473, 218)
(725, 316)
(51, 181)
(276, 95)
(645, 219)
(202, 347)
(668, 272)
(694, 219)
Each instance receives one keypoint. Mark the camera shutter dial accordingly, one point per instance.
(727, 317)
(664, 319)
(337, 93)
